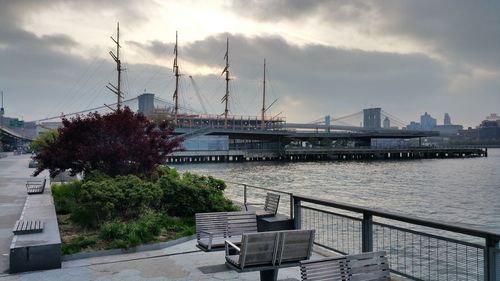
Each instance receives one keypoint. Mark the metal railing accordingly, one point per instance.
(259, 192)
(419, 249)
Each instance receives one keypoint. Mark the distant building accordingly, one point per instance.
(387, 123)
(448, 130)
(447, 119)
(469, 134)
(206, 143)
(372, 118)
(413, 126)
(489, 130)
(427, 122)
(2, 112)
(493, 117)
(146, 104)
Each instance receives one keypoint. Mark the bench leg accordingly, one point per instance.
(269, 275)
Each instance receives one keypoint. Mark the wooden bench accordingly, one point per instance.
(36, 244)
(212, 229)
(270, 206)
(27, 227)
(35, 186)
(360, 267)
(268, 251)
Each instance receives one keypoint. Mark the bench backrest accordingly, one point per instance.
(275, 247)
(371, 266)
(295, 245)
(368, 266)
(212, 222)
(225, 224)
(272, 203)
(38, 182)
(259, 249)
(35, 186)
(241, 222)
(328, 269)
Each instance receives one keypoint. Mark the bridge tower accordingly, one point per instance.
(328, 122)
(372, 118)
(146, 104)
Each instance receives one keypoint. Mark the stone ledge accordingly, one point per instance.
(37, 251)
(140, 248)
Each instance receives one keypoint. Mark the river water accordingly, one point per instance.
(450, 190)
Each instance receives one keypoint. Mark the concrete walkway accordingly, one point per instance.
(14, 172)
(181, 262)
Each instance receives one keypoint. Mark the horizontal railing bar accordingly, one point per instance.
(330, 248)
(465, 243)
(405, 275)
(404, 218)
(258, 187)
(331, 213)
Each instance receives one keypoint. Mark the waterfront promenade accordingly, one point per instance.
(182, 262)
(179, 262)
(14, 172)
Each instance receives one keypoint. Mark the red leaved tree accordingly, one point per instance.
(118, 143)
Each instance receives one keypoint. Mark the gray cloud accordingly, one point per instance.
(328, 80)
(155, 47)
(40, 78)
(461, 31)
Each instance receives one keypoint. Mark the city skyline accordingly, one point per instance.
(324, 57)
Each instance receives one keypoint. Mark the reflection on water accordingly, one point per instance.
(451, 190)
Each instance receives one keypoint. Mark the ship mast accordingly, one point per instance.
(176, 71)
(226, 96)
(2, 112)
(117, 89)
(263, 123)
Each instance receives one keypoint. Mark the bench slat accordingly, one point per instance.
(26, 227)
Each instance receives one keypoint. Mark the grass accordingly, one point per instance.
(148, 228)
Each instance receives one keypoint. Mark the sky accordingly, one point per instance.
(331, 57)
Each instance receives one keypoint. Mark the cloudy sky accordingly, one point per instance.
(324, 57)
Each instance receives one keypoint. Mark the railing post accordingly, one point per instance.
(244, 194)
(490, 260)
(291, 207)
(367, 233)
(297, 213)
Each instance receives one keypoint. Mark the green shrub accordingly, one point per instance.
(147, 227)
(77, 244)
(164, 171)
(140, 195)
(186, 231)
(118, 244)
(113, 230)
(65, 196)
(193, 194)
(122, 197)
(96, 175)
(125, 209)
(100, 197)
(84, 217)
(144, 229)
